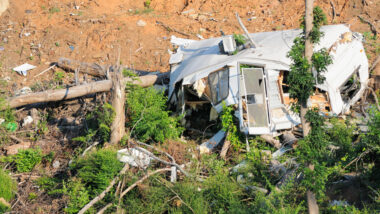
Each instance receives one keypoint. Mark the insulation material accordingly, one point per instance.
(199, 86)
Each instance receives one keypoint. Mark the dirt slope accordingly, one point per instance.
(40, 31)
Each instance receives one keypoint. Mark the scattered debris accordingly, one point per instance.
(22, 69)
(27, 121)
(56, 164)
(134, 157)
(255, 80)
(210, 145)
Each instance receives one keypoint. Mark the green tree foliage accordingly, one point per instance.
(301, 80)
(78, 196)
(97, 169)
(147, 115)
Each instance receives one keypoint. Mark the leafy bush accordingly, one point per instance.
(229, 126)
(148, 117)
(7, 189)
(78, 196)
(99, 122)
(25, 160)
(97, 169)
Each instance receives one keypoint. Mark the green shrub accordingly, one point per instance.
(148, 117)
(97, 169)
(25, 160)
(99, 122)
(229, 122)
(7, 189)
(78, 196)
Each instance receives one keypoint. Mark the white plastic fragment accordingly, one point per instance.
(1, 121)
(22, 69)
(280, 152)
(134, 157)
(27, 120)
(210, 145)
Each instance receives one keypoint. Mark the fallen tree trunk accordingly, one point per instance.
(74, 92)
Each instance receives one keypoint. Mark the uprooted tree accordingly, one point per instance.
(301, 79)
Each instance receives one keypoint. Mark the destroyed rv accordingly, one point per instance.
(211, 71)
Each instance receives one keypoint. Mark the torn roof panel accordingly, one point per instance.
(204, 56)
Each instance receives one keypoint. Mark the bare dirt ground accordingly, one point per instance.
(39, 32)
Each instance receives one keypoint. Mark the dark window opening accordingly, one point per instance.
(350, 87)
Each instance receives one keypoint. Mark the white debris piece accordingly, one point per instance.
(210, 145)
(27, 120)
(24, 68)
(134, 157)
(1, 121)
(141, 23)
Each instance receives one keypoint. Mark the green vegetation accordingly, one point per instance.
(58, 77)
(147, 115)
(97, 169)
(99, 123)
(53, 10)
(229, 126)
(26, 160)
(7, 189)
(239, 39)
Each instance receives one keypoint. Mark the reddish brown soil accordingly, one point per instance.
(99, 27)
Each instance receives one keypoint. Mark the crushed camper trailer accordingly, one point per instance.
(214, 70)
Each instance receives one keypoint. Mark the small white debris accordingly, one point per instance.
(141, 23)
(134, 157)
(76, 7)
(27, 120)
(56, 164)
(1, 121)
(22, 69)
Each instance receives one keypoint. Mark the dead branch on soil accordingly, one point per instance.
(375, 97)
(101, 195)
(51, 67)
(372, 26)
(377, 60)
(89, 148)
(170, 29)
(173, 177)
(143, 179)
(92, 69)
(163, 161)
(333, 10)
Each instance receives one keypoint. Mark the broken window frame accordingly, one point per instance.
(219, 82)
(356, 78)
